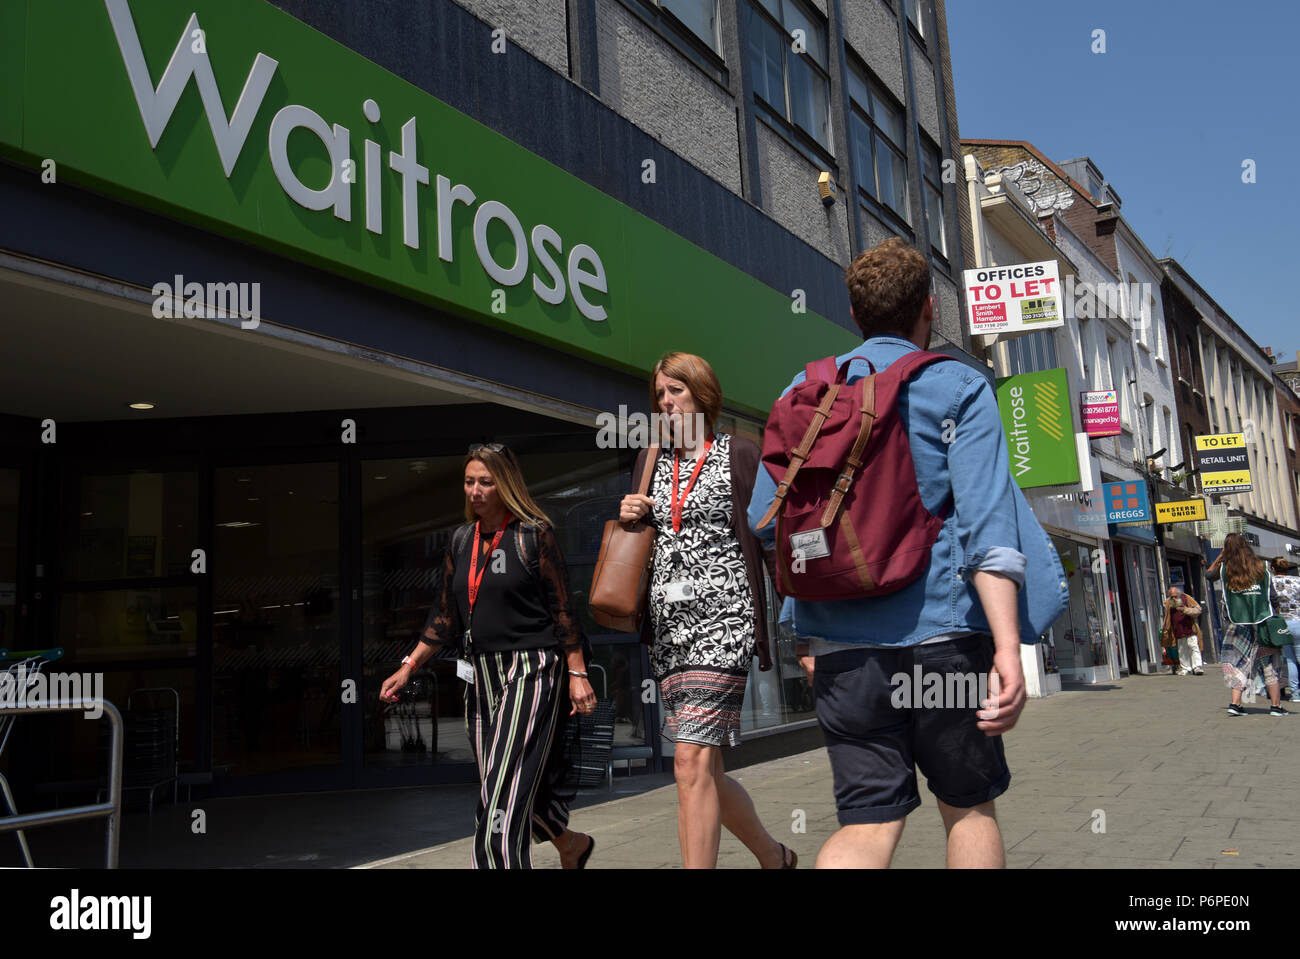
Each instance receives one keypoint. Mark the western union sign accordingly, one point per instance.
(1182, 511)
(1224, 463)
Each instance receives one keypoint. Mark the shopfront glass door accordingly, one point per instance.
(410, 506)
(276, 622)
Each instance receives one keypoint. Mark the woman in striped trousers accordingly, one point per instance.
(505, 605)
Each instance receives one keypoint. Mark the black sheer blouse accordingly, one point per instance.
(516, 608)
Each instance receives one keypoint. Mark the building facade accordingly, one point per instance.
(1242, 397)
(253, 333)
(1116, 342)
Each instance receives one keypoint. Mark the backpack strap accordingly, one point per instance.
(529, 550)
(854, 461)
(799, 455)
(898, 372)
(459, 539)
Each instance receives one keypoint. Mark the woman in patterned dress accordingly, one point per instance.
(707, 611)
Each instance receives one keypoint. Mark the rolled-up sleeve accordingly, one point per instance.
(985, 503)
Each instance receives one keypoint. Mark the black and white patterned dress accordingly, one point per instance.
(702, 647)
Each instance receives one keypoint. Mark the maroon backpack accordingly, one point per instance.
(849, 517)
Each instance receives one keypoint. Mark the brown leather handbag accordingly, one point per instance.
(622, 578)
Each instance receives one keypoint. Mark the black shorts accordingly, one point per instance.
(877, 730)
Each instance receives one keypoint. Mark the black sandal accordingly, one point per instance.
(582, 860)
(794, 857)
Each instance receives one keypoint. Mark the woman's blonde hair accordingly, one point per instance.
(509, 479)
(1242, 569)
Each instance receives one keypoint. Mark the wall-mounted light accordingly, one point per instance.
(826, 188)
(140, 406)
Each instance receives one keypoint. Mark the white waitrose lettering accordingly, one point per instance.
(585, 270)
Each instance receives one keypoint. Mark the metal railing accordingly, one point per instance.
(111, 810)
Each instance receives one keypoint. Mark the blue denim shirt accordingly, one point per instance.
(958, 448)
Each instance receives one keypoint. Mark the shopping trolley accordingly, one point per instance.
(19, 672)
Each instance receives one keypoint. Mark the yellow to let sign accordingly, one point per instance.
(1224, 462)
(1219, 441)
(1182, 511)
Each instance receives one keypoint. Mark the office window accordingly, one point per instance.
(877, 130)
(915, 15)
(1149, 411)
(933, 177)
(1032, 353)
(698, 16)
(1119, 381)
(789, 58)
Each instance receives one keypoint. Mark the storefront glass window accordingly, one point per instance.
(1080, 632)
(275, 633)
(135, 525)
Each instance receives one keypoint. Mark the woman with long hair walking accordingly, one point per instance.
(1250, 595)
(504, 605)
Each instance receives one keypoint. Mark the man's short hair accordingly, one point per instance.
(888, 285)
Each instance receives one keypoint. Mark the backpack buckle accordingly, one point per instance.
(843, 483)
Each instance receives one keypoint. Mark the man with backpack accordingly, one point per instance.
(910, 554)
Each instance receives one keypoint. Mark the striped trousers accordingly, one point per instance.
(511, 714)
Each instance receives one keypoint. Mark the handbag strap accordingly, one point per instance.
(651, 458)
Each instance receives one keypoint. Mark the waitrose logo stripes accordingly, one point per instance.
(1040, 432)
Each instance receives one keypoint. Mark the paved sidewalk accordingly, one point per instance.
(1178, 782)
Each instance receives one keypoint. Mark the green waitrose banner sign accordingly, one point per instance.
(1035, 410)
(234, 116)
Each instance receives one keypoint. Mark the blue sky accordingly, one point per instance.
(1186, 90)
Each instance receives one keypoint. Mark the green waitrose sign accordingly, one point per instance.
(1035, 410)
(234, 116)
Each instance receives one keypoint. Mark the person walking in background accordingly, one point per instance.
(706, 615)
(1181, 615)
(1288, 607)
(504, 605)
(1249, 595)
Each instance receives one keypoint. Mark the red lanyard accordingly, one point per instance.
(690, 483)
(475, 577)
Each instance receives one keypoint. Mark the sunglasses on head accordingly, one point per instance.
(490, 447)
